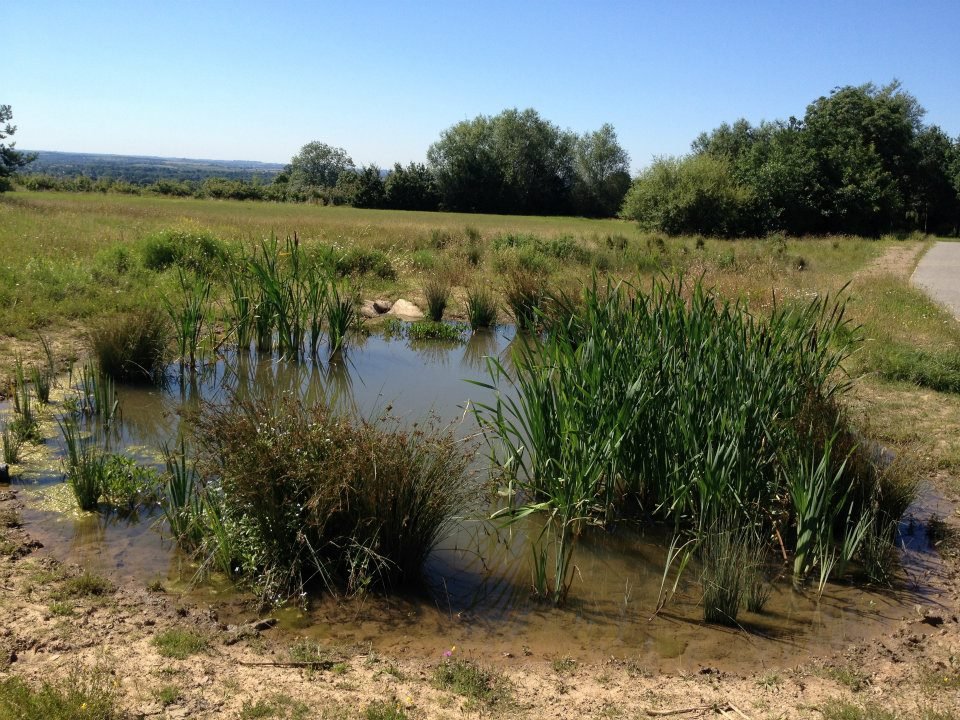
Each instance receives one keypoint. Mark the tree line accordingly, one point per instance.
(860, 161)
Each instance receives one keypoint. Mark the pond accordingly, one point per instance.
(479, 578)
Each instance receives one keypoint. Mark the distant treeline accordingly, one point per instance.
(861, 161)
(512, 163)
(138, 170)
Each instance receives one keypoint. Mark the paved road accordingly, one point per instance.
(939, 274)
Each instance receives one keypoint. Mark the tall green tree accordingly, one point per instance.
(10, 159)
(602, 170)
(411, 188)
(514, 162)
(317, 166)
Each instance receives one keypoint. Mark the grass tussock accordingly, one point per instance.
(470, 680)
(180, 644)
(334, 501)
(481, 308)
(437, 294)
(133, 347)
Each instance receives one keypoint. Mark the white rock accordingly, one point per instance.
(406, 310)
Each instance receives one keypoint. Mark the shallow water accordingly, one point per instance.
(479, 578)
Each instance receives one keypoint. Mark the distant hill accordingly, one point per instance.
(142, 169)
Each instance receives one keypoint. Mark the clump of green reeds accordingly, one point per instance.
(12, 444)
(481, 308)
(334, 500)
(724, 555)
(133, 347)
(433, 330)
(437, 294)
(524, 295)
(97, 395)
(85, 464)
(189, 313)
(26, 424)
(341, 315)
(675, 404)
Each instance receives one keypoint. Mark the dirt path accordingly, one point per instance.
(939, 274)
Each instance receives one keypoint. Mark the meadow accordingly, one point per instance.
(727, 392)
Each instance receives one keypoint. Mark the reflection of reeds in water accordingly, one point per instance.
(338, 385)
(481, 345)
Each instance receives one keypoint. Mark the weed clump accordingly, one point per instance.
(293, 497)
(179, 644)
(673, 403)
(481, 308)
(133, 347)
(437, 294)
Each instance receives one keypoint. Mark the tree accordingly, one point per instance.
(411, 188)
(10, 159)
(694, 194)
(602, 170)
(514, 162)
(317, 165)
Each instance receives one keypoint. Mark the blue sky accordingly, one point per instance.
(257, 80)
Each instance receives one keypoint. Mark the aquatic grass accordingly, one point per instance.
(242, 315)
(133, 347)
(672, 404)
(341, 315)
(26, 424)
(189, 313)
(41, 381)
(85, 464)
(181, 502)
(433, 330)
(437, 294)
(97, 395)
(481, 308)
(12, 444)
(725, 557)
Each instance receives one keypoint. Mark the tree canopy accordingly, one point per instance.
(317, 166)
(860, 161)
(519, 163)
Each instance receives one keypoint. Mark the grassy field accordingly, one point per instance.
(72, 259)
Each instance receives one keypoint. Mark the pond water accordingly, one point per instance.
(479, 578)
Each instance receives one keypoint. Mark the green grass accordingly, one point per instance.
(86, 585)
(469, 680)
(277, 707)
(385, 711)
(87, 696)
(168, 694)
(180, 644)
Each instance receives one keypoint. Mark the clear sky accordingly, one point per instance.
(257, 80)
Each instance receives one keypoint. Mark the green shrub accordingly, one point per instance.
(433, 330)
(133, 347)
(198, 250)
(365, 261)
(335, 500)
